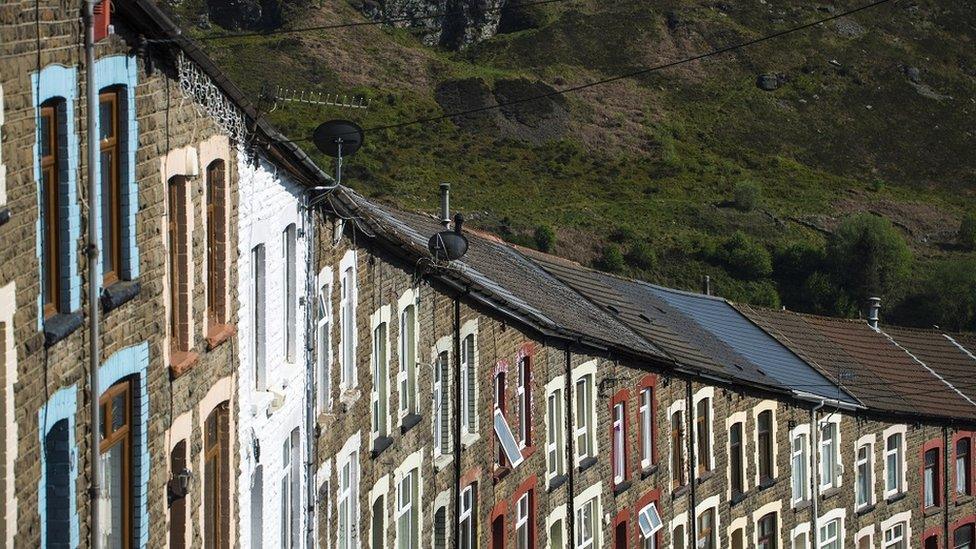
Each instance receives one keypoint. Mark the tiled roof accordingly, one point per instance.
(866, 363)
(945, 354)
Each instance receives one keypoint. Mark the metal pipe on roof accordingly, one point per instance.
(815, 472)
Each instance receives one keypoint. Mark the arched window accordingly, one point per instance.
(53, 174)
(216, 243)
(115, 461)
(216, 477)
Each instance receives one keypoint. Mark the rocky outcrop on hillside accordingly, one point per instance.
(535, 121)
(252, 15)
(452, 24)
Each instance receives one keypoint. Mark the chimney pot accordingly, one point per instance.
(874, 311)
(445, 204)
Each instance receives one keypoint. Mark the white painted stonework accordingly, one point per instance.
(268, 203)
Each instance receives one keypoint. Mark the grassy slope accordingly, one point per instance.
(658, 155)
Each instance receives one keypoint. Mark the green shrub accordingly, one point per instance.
(946, 298)
(545, 238)
(621, 235)
(747, 195)
(967, 232)
(641, 256)
(611, 259)
(869, 257)
(877, 185)
(745, 258)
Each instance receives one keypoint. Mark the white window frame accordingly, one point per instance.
(323, 479)
(348, 456)
(523, 511)
(523, 369)
(289, 292)
(904, 518)
(323, 346)
(588, 497)
(555, 429)
(775, 508)
(840, 515)
(557, 516)
(381, 489)
(407, 374)
(700, 395)
(710, 503)
(836, 482)
(801, 433)
(259, 315)
(413, 463)
(866, 532)
(405, 505)
(680, 520)
(801, 529)
(349, 298)
(469, 415)
(866, 443)
(736, 417)
(380, 392)
(585, 431)
(467, 516)
(441, 398)
(619, 441)
(764, 406)
(645, 399)
(737, 524)
(650, 513)
(900, 458)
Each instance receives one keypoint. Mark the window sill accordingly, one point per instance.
(586, 463)
(60, 326)
(765, 484)
(468, 439)
(380, 444)
(621, 487)
(932, 511)
(4, 216)
(802, 505)
(648, 471)
(828, 493)
(181, 362)
(963, 499)
(527, 452)
(863, 510)
(704, 477)
(679, 491)
(348, 397)
(897, 496)
(737, 498)
(218, 334)
(442, 461)
(556, 482)
(119, 293)
(500, 472)
(409, 422)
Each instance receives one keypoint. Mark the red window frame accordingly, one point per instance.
(621, 519)
(965, 521)
(620, 397)
(653, 496)
(527, 487)
(971, 489)
(648, 382)
(527, 353)
(497, 512)
(933, 444)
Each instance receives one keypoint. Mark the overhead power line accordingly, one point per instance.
(384, 21)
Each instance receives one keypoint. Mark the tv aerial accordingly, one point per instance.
(336, 138)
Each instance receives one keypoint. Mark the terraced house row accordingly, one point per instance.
(277, 361)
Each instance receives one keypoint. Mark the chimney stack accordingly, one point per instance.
(445, 204)
(874, 311)
(707, 285)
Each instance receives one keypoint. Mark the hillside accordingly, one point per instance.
(871, 113)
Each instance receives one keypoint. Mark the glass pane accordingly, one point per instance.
(118, 411)
(108, 228)
(105, 119)
(112, 504)
(45, 131)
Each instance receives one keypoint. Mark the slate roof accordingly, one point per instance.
(945, 354)
(864, 362)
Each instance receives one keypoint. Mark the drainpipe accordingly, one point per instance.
(570, 451)
(815, 473)
(692, 467)
(310, 379)
(945, 483)
(455, 530)
(94, 350)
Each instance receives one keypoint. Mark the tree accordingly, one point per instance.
(545, 238)
(869, 257)
(947, 298)
(745, 258)
(747, 195)
(641, 256)
(612, 259)
(967, 232)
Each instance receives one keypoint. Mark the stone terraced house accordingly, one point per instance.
(282, 363)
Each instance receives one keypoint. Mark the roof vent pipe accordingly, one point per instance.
(874, 310)
(707, 285)
(445, 204)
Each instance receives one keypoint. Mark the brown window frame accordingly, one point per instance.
(677, 450)
(769, 539)
(177, 504)
(178, 266)
(703, 422)
(50, 183)
(216, 243)
(737, 459)
(764, 446)
(122, 435)
(111, 145)
(216, 453)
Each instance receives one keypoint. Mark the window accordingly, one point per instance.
(407, 376)
(678, 537)
(377, 530)
(324, 511)
(500, 408)
(964, 484)
(555, 458)
(179, 273)
(347, 499)
(498, 532)
(584, 418)
(379, 394)
(508, 446)
(932, 542)
(766, 534)
(894, 537)
(706, 530)
(257, 317)
(176, 498)
(440, 527)
(216, 242)
(677, 450)
(931, 478)
(115, 461)
(109, 109)
(703, 434)
(51, 131)
(865, 541)
(289, 291)
(737, 459)
(257, 507)
(646, 412)
(862, 472)
(801, 541)
(323, 343)
(738, 538)
(408, 531)
(442, 406)
(469, 373)
(524, 395)
(290, 490)
(764, 425)
(649, 522)
(216, 476)
(586, 525)
(347, 320)
(556, 535)
(618, 445)
(799, 467)
(468, 527)
(524, 522)
(828, 454)
(962, 538)
(894, 456)
(57, 485)
(830, 535)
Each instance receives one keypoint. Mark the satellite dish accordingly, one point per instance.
(338, 138)
(450, 244)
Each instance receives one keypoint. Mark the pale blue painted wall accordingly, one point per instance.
(58, 81)
(61, 406)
